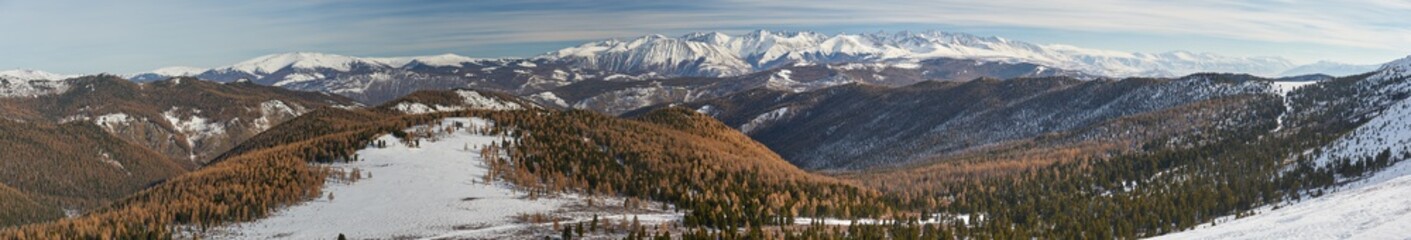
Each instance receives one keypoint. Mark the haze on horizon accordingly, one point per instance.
(132, 36)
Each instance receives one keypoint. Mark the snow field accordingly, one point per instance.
(432, 191)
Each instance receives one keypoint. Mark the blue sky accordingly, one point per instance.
(137, 35)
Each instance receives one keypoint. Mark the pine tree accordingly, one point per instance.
(594, 224)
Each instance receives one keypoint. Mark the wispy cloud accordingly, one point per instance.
(139, 34)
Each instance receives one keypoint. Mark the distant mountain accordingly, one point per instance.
(374, 80)
(29, 75)
(718, 54)
(616, 96)
(1329, 68)
(562, 84)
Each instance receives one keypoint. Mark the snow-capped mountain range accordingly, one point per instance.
(716, 54)
(719, 54)
(736, 62)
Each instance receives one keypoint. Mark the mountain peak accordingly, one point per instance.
(306, 60)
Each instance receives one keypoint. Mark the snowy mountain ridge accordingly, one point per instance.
(720, 54)
(30, 75)
(717, 54)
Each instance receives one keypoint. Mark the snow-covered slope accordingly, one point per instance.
(1374, 208)
(29, 74)
(470, 100)
(719, 54)
(434, 190)
(1389, 130)
(31, 83)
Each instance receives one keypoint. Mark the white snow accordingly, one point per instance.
(30, 74)
(31, 83)
(1283, 88)
(475, 100)
(471, 100)
(1391, 130)
(112, 120)
(194, 127)
(550, 98)
(10, 88)
(106, 158)
(1395, 69)
(763, 119)
(272, 108)
(436, 190)
(443, 60)
(720, 54)
(298, 78)
(299, 60)
(420, 108)
(707, 110)
(1374, 208)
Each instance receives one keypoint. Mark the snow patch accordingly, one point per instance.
(550, 98)
(112, 120)
(764, 119)
(194, 127)
(474, 100)
(298, 78)
(272, 108)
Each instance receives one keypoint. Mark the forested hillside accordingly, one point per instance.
(101, 138)
(723, 178)
(861, 126)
